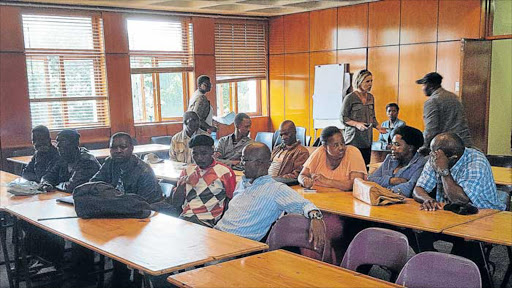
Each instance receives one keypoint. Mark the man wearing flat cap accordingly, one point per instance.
(442, 112)
(75, 167)
(207, 184)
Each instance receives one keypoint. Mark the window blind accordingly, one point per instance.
(158, 46)
(66, 71)
(240, 51)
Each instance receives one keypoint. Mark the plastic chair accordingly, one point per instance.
(292, 230)
(301, 135)
(434, 269)
(367, 248)
(164, 140)
(277, 138)
(265, 138)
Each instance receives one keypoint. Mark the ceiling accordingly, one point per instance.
(266, 8)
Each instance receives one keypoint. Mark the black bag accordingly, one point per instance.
(102, 200)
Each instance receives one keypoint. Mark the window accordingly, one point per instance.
(241, 66)
(66, 71)
(160, 58)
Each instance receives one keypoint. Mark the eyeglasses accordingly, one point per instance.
(243, 161)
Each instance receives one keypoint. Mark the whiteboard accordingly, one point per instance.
(331, 85)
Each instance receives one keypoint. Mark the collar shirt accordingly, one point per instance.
(385, 138)
(411, 172)
(132, 177)
(473, 173)
(40, 164)
(230, 150)
(206, 191)
(292, 161)
(179, 150)
(256, 206)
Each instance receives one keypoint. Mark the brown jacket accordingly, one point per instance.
(293, 160)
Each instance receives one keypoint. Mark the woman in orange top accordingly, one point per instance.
(333, 164)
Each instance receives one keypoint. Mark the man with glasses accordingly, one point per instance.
(179, 150)
(259, 201)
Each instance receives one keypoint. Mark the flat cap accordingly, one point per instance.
(200, 140)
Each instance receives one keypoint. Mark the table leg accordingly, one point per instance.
(20, 256)
(509, 270)
(3, 243)
(485, 264)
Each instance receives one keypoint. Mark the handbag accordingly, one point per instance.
(374, 194)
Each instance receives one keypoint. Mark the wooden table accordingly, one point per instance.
(406, 215)
(155, 246)
(104, 153)
(277, 268)
(502, 175)
(495, 229)
(170, 170)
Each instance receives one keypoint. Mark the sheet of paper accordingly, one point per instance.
(227, 119)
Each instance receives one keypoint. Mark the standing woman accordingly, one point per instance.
(358, 115)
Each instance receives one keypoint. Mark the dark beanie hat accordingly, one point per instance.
(69, 134)
(410, 135)
(200, 140)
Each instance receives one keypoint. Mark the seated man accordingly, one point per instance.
(179, 150)
(400, 170)
(130, 175)
(333, 164)
(229, 148)
(207, 185)
(390, 125)
(259, 200)
(44, 158)
(75, 167)
(288, 157)
(462, 175)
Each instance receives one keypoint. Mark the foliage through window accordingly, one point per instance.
(243, 96)
(66, 71)
(161, 56)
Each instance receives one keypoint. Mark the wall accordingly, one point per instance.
(500, 119)
(398, 41)
(15, 121)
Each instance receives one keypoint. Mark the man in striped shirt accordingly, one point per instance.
(259, 200)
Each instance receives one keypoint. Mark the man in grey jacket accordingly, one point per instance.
(442, 112)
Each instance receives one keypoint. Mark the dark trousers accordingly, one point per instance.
(367, 155)
(46, 245)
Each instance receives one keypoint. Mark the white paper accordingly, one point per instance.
(228, 119)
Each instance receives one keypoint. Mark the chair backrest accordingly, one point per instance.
(292, 230)
(500, 160)
(301, 135)
(164, 140)
(266, 138)
(367, 248)
(277, 138)
(434, 269)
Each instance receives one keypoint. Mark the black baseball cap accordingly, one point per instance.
(432, 78)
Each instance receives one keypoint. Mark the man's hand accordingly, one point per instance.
(317, 233)
(430, 205)
(45, 187)
(438, 160)
(397, 180)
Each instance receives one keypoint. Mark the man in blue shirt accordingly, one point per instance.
(259, 201)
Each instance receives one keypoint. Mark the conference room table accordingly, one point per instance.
(157, 245)
(7, 199)
(277, 268)
(104, 153)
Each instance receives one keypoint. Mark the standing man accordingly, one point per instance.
(229, 149)
(201, 105)
(45, 157)
(390, 125)
(442, 112)
(288, 157)
(179, 150)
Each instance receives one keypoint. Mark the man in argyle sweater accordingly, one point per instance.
(207, 185)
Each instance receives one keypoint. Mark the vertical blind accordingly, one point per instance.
(240, 51)
(66, 71)
(160, 45)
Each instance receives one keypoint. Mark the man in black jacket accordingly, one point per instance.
(44, 158)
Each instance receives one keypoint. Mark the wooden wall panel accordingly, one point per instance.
(459, 19)
(383, 63)
(384, 23)
(419, 21)
(323, 30)
(276, 35)
(296, 33)
(316, 58)
(356, 58)
(204, 36)
(448, 64)
(120, 93)
(415, 62)
(276, 76)
(116, 35)
(296, 88)
(15, 106)
(143, 133)
(11, 31)
(353, 26)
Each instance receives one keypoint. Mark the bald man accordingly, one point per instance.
(259, 200)
(179, 150)
(462, 175)
(288, 157)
